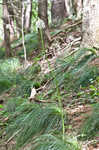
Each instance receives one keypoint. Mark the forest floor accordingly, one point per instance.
(69, 42)
(66, 39)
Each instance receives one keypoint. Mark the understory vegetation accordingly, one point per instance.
(49, 75)
(43, 122)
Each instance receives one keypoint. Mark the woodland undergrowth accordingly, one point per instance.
(43, 121)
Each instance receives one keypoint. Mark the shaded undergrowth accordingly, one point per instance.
(34, 122)
(90, 128)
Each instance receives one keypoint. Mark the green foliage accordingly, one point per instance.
(31, 43)
(35, 14)
(21, 81)
(75, 71)
(27, 79)
(4, 84)
(2, 52)
(7, 73)
(91, 126)
(33, 123)
(9, 65)
(40, 125)
(13, 103)
(23, 88)
(33, 120)
(32, 71)
(52, 142)
(94, 88)
(90, 94)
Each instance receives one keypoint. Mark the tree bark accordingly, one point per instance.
(42, 11)
(69, 8)
(43, 15)
(11, 20)
(90, 25)
(79, 6)
(74, 7)
(16, 7)
(6, 26)
(18, 16)
(58, 11)
(28, 15)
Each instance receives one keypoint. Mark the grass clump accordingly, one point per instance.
(52, 142)
(40, 126)
(8, 70)
(33, 120)
(91, 127)
(26, 80)
(75, 71)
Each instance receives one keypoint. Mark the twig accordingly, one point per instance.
(6, 143)
(12, 136)
(66, 28)
(43, 87)
(42, 101)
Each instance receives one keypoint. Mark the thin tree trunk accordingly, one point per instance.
(74, 7)
(6, 26)
(69, 8)
(42, 11)
(11, 20)
(23, 40)
(17, 9)
(42, 14)
(28, 15)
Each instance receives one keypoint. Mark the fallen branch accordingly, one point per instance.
(67, 27)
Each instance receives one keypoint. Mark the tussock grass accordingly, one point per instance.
(90, 128)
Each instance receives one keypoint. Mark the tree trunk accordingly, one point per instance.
(6, 26)
(17, 12)
(74, 7)
(11, 20)
(69, 8)
(28, 14)
(16, 7)
(58, 11)
(42, 11)
(79, 6)
(18, 16)
(90, 25)
(42, 14)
